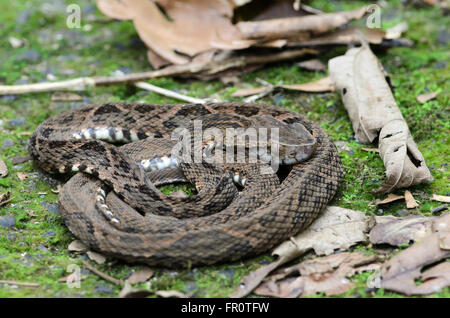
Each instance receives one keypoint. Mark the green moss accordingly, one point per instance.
(29, 254)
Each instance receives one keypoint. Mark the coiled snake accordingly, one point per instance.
(114, 205)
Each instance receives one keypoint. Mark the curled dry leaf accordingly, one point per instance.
(140, 276)
(335, 229)
(3, 169)
(401, 272)
(327, 274)
(400, 231)
(360, 79)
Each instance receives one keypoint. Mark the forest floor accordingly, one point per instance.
(33, 237)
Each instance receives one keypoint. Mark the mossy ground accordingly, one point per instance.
(36, 249)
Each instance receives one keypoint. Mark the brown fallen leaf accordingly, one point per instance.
(96, 257)
(140, 276)
(335, 229)
(441, 198)
(411, 203)
(390, 198)
(399, 231)
(319, 86)
(327, 274)
(3, 169)
(426, 97)
(193, 25)
(312, 65)
(77, 246)
(401, 273)
(22, 176)
(65, 97)
(5, 198)
(360, 79)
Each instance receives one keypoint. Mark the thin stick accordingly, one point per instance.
(169, 93)
(210, 68)
(13, 282)
(102, 275)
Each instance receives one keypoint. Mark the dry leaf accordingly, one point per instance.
(65, 97)
(390, 198)
(399, 231)
(335, 229)
(319, 86)
(171, 294)
(401, 273)
(313, 65)
(410, 201)
(3, 169)
(441, 198)
(5, 198)
(193, 25)
(360, 79)
(426, 97)
(140, 276)
(325, 274)
(22, 176)
(77, 246)
(96, 257)
(396, 31)
(293, 26)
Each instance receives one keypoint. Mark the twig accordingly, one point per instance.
(169, 93)
(210, 68)
(13, 282)
(102, 275)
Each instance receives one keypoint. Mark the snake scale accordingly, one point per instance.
(121, 151)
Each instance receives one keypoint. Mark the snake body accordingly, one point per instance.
(114, 206)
